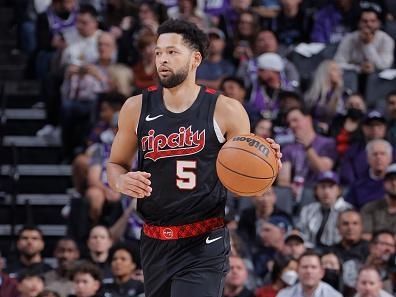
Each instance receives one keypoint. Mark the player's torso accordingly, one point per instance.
(180, 151)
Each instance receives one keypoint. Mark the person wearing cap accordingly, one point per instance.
(318, 220)
(354, 164)
(270, 81)
(367, 49)
(214, 68)
(369, 283)
(381, 214)
(371, 187)
(294, 244)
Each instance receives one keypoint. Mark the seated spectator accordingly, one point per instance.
(99, 244)
(151, 14)
(368, 49)
(236, 279)
(382, 247)
(310, 273)
(332, 266)
(66, 253)
(266, 42)
(265, 90)
(369, 283)
(30, 244)
(120, 16)
(326, 95)
(370, 188)
(8, 285)
(263, 128)
(309, 155)
(345, 127)
(214, 68)
(334, 21)
(354, 165)
(270, 243)
(125, 272)
(234, 87)
(318, 220)
(292, 25)
(190, 11)
(30, 284)
(263, 209)
(87, 279)
(381, 214)
(295, 244)
(391, 113)
(283, 275)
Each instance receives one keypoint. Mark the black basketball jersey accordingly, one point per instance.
(180, 151)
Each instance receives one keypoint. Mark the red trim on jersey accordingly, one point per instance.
(183, 231)
(152, 88)
(210, 91)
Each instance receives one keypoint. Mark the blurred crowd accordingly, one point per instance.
(301, 68)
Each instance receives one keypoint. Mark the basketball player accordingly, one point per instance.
(178, 130)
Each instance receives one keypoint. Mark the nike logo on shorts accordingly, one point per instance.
(208, 241)
(149, 119)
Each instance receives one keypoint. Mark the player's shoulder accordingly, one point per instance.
(228, 105)
(130, 111)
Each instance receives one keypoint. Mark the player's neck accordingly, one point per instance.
(180, 98)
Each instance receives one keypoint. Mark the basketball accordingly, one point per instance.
(246, 165)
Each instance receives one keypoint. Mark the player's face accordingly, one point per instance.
(174, 60)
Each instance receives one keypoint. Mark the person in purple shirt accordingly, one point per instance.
(309, 155)
(370, 187)
(333, 21)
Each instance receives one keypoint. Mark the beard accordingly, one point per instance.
(174, 78)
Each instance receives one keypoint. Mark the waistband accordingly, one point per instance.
(183, 231)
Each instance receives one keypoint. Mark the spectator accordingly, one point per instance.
(8, 286)
(295, 244)
(381, 214)
(382, 246)
(188, 10)
(309, 155)
(84, 49)
(125, 272)
(30, 284)
(333, 270)
(263, 128)
(214, 68)
(66, 253)
(310, 272)
(120, 16)
(263, 209)
(345, 128)
(265, 90)
(355, 165)
(234, 87)
(334, 21)
(326, 96)
(391, 112)
(30, 244)
(99, 244)
(292, 25)
(87, 280)
(151, 15)
(318, 220)
(283, 275)
(369, 283)
(236, 279)
(368, 49)
(47, 293)
(370, 188)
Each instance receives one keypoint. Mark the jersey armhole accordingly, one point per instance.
(219, 134)
(142, 112)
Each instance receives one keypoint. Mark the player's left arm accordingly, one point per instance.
(233, 120)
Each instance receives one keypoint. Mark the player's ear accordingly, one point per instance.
(197, 59)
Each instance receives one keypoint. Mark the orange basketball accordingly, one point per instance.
(247, 165)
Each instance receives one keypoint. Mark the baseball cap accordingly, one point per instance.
(328, 176)
(374, 115)
(280, 222)
(217, 32)
(270, 61)
(391, 170)
(294, 235)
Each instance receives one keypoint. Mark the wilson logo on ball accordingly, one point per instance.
(253, 142)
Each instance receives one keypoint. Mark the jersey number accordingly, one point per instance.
(186, 178)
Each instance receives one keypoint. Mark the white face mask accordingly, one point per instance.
(289, 277)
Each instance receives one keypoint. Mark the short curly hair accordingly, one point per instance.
(194, 37)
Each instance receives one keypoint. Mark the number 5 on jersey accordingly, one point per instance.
(186, 177)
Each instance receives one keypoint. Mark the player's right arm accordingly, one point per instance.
(125, 145)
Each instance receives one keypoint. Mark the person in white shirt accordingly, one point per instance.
(369, 283)
(310, 273)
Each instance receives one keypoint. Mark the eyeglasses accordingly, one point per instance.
(391, 245)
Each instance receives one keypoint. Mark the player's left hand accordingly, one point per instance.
(277, 149)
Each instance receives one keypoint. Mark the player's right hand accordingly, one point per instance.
(135, 184)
